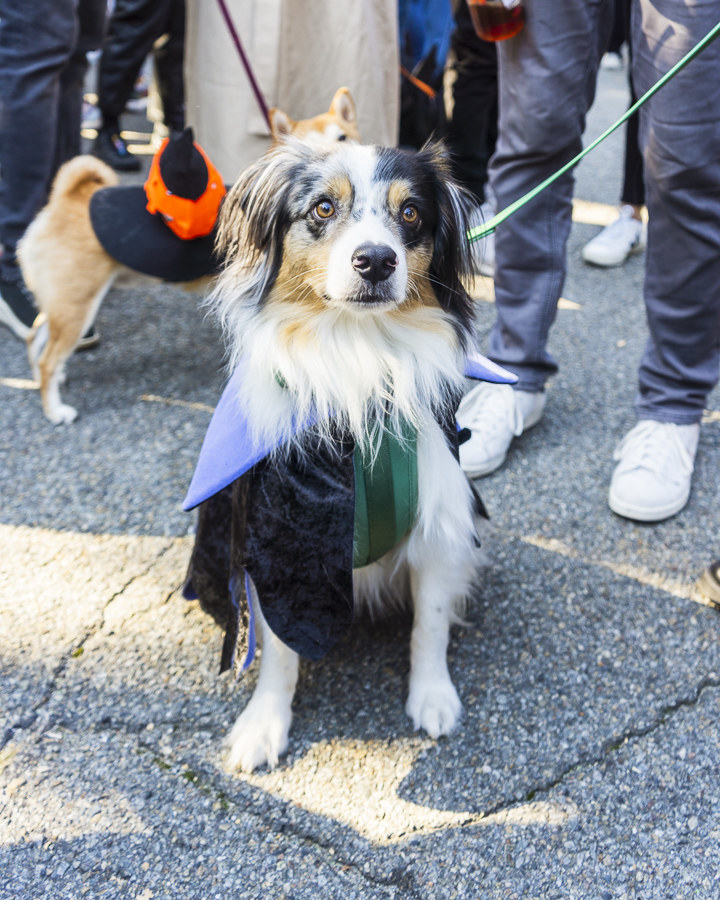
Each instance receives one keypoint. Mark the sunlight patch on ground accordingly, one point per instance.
(60, 810)
(483, 288)
(171, 401)
(19, 384)
(587, 212)
(682, 589)
(131, 138)
(362, 789)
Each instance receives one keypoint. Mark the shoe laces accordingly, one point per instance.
(656, 447)
(490, 409)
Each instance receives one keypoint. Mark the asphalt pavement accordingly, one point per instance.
(586, 762)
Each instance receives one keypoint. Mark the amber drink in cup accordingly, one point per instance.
(497, 20)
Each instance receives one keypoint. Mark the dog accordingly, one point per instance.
(69, 270)
(339, 123)
(343, 306)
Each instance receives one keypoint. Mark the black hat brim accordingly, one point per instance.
(141, 240)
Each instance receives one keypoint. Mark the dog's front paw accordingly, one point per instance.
(62, 414)
(259, 736)
(434, 706)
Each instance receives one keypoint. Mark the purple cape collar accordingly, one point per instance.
(228, 450)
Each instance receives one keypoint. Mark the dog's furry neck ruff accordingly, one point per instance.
(344, 369)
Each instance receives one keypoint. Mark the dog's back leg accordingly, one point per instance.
(260, 734)
(51, 343)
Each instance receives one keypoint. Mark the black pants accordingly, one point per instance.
(135, 27)
(472, 126)
(633, 190)
(43, 49)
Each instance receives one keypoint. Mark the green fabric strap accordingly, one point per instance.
(386, 490)
(480, 231)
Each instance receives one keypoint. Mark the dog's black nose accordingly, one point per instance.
(375, 262)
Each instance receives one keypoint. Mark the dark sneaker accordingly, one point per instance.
(17, 308)
(112, 149)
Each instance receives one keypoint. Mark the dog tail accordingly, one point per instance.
(80, 174)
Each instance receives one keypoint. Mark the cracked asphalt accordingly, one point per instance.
(586, 763)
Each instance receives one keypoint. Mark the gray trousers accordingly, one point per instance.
(547, 83)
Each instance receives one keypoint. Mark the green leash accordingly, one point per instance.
(488, 227)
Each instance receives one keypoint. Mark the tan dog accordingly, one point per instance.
(70, 272)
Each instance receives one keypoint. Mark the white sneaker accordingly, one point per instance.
(494, 414)
(612, 60)
(484, 249)
(617, 241)
(655, 464)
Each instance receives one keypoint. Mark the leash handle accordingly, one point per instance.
(245, 61)
(488, 227)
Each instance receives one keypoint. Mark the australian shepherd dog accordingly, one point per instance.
(343, 297)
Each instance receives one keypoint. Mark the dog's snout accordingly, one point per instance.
(375, 262)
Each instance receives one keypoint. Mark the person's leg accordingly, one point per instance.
(633, 189)
(35, 45)
(618, 33)
(70, 98)
(547, 83)
(91, 19)
(168, 56)
(547, 76)
(626, 235)
(679, 134)
(133, 28)
(472, 122)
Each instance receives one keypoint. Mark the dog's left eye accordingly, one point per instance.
(410, 214)
(325, 209)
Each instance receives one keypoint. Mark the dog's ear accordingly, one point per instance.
(281, 125)
(254, 214)
(452, 263)
(343, 106)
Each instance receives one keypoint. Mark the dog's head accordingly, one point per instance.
(357, 229)
(339, 123)
(343, 282)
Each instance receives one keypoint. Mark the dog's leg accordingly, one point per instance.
(52, 343)
(433, 703)
(260, 734)
(50, 369)
(442, 557)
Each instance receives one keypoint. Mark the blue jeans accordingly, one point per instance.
(547, 83)
(42, 69)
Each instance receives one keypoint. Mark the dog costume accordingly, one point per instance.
(166, 227)
(297, 523)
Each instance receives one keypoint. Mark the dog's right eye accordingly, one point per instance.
(324, 209)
